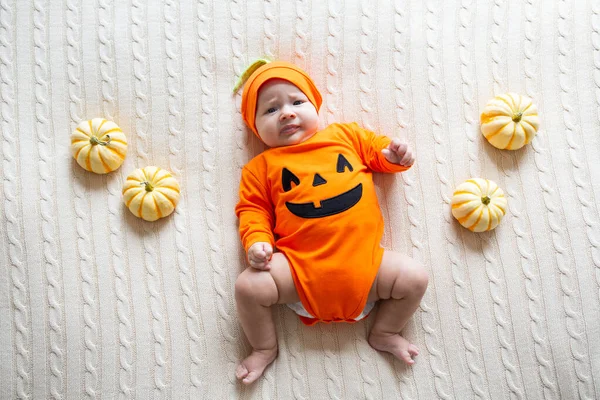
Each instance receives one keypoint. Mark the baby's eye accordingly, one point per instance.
(271, 110)
(298, 102)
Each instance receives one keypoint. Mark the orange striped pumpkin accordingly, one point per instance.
(510, 121)
(478, 204)
(98, 145)
(151, 193)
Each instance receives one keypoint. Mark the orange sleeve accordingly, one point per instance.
(369, 146)
(255, 211)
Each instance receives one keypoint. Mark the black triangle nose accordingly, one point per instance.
(319, 180)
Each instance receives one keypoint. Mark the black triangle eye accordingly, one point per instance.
(319, 180)
(287, 177)
(342, 163)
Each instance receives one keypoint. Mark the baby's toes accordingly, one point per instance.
(252, 376)
(413, 350)
(241, 371)
(406, 357)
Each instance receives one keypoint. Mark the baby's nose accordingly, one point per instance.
(287, 112)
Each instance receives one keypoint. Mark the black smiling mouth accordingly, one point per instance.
(331, 206)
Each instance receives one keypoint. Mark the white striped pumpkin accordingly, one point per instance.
(478, 204)
(151, 193)
(98, 145)
(509, 121)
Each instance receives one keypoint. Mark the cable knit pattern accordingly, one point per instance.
(190, 302)
(596, 55)
(466, 313)
(301, 31)
(333, 369)
(56, 364)
(15, 261)
(90, 335)
(95, 302)
(434, 74)
(539, 324)
(403, 115)
(298, 367)
(240, 54)
(91, 352)
(366, 62)
(571, 300)
(596, 45)
(496, 47)
(122, 280)
(332, 59)
(489, 249)
(467, 75)
(160, 371)
(270, 29)
(73, 35)
(126, 337)
(105, 10)
(222, 285)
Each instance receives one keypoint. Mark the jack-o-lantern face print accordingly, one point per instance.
(330, 205)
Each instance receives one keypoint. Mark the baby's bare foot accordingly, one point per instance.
(253, 366)
(395, 344)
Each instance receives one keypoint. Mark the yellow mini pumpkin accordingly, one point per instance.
(99, 145)
(478, 204)
(151, 193)
(509, 121)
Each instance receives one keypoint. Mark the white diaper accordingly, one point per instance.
(300, 310)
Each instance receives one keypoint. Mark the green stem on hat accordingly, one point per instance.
(486, 200)
(249, 71)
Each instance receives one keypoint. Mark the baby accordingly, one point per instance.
(311, 225)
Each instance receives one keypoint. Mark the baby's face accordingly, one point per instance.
(284, 115)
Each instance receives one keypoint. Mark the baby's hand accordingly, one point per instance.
(259, 255)
(399, 153)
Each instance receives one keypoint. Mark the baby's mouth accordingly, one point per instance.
(289, 129)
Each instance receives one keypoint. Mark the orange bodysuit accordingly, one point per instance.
(316, 202)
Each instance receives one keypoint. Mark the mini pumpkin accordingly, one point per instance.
(98, 145)
(509, 121)
(151, 193)
(478, 204)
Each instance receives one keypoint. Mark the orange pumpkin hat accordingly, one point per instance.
(273, 70)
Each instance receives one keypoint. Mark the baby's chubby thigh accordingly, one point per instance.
(399, 276)
(275, 286)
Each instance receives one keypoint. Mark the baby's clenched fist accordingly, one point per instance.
(399, 153)
(259, 255)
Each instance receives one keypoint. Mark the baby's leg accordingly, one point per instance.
(255, 292)
(401, 283)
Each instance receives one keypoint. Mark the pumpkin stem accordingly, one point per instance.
(94, 141)
(485, 200)
(148, 185)
(517, 116)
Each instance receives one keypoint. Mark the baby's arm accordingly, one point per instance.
(379, 152)
(259, 255)
(399, 153)
(256, 216)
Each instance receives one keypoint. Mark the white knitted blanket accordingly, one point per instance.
(96, 303)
